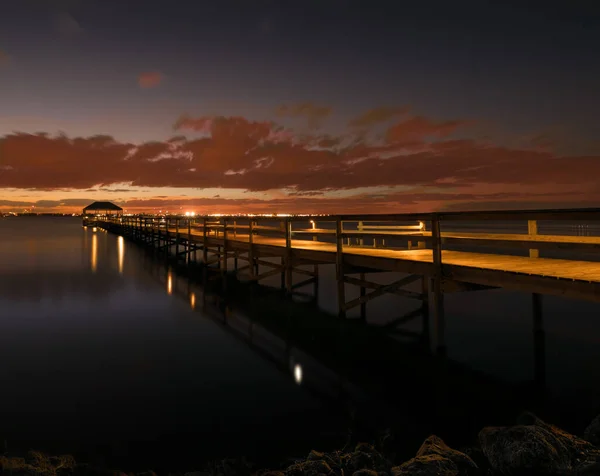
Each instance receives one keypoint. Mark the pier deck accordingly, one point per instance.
(415, 246)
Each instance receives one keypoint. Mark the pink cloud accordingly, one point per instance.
(4, 58)
(150, 79)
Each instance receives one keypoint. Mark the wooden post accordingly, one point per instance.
(189, 242)
(167, 238)
(251, 248)
(316, 283)
(288, 256)
(438, 292)
(340, 268)
(177, 238)
(361, 240)
(204, 256)
(532, 230)
(224, 255)
(363, 305)
(425, 309)
(422, 244)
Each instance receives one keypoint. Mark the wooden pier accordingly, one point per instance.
(427, 248)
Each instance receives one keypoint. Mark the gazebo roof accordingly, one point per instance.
(102, 206)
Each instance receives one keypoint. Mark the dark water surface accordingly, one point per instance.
(106, 353)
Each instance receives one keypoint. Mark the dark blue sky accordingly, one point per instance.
(500, 61)
(130, 69)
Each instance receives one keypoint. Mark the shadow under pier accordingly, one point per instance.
(383, 382)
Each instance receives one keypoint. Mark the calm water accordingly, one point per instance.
(105, 354)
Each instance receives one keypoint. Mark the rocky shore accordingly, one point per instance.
(530, 447)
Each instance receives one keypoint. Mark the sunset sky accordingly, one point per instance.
(299, 106)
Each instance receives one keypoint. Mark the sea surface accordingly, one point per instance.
(112, 354)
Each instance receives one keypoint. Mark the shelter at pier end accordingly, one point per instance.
(103, 209)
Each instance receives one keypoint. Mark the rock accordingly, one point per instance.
(315, 455)
(429, 465)
(309, 468)
(535, 447)
(366, 472)
(434, 445)
(365, 456)
(592, 432)
(580, 451)
(435, 457)
(523, 449)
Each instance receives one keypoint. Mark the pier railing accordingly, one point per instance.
(532, 230)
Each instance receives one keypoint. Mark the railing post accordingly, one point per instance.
(177, 238)
(251, 248)
(224, 255)
(363, 305)
(288, 256)
(167, 245)
(438, 291)
(361, 240)
(189, 241)
(204, 241)
(422, 244)
(340, 267)
(532, 230)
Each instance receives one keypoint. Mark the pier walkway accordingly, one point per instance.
(435, 251)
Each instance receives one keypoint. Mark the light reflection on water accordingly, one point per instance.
(94, 251)
(86, 348)
(121, 252)
(163, 357)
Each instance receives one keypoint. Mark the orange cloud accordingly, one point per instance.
(150, 79)
(416, 153)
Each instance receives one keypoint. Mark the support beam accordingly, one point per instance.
(363, 304)
(438, 291)
(390, 290)
(289, 277)
(532, 230)
(340, 268)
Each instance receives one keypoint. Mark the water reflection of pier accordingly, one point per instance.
(364, 366)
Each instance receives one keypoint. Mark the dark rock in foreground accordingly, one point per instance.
(592, 432)
(434, 457)
(534, 447)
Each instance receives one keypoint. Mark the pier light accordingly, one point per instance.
(94, 229)
(312, 222)
(421, 225)
(298, 373)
